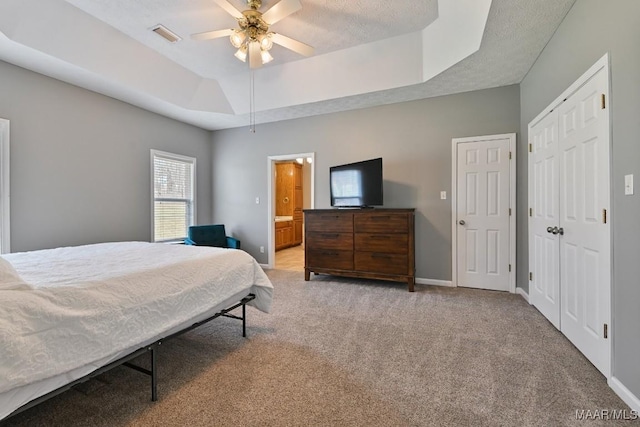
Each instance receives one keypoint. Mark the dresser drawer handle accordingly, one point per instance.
(330, 236)
(380, 256)
(379, 237)
(380, 218)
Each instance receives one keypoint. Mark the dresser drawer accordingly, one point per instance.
(386, 243)
(325, 240)
(386, 263)
(381, 223)
(329, 222)
(325, 258)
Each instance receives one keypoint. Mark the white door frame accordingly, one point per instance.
(271, 212)
(512, 204)
(5, 188)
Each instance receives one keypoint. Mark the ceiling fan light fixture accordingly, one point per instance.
(266, 43)
(266, 57)
(237, 38)
(241, 54)
(253, 39)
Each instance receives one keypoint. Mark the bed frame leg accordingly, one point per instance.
(154, 376)
(244, 320)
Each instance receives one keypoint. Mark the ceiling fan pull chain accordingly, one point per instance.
(252, 104)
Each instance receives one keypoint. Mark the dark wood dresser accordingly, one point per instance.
(367, 243)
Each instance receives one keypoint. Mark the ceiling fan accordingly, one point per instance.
(253, 38)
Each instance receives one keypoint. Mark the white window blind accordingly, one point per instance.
(173, 195)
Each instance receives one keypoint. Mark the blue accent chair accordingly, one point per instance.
(211, 235)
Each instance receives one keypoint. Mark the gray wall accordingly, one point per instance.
(413, 138)
(80, 162)
(591, 29)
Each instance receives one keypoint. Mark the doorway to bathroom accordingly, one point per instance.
(290, 192)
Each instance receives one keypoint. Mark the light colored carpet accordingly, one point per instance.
(353, 353)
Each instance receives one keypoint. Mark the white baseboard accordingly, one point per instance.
(624, 394)
(523, 294)
(264, 266)
(435, 282)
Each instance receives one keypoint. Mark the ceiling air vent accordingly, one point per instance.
(166, 33)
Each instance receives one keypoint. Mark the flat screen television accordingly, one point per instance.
(357, 185)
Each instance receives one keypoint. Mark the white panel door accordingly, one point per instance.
(544, 285)
(585, 240)
(483, 214)
(569, 232)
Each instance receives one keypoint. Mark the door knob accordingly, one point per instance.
(554, 230)
(549, 229)
(461, 222)
(561, 231)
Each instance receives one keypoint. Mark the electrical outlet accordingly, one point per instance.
(261, 249)
(443, 195)
(257, 200)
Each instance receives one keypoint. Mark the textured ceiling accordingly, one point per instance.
(368, 53)
(326, 25)
(516, 33)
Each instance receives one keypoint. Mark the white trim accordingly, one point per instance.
(271, 210)
(435, 282)
(624, 394)
(265, 266)
(512, 203)
(152, 154)
(5, 188)
(523, 294)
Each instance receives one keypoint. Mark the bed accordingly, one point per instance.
(66, 313)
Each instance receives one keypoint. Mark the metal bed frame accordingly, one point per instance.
(151, 349)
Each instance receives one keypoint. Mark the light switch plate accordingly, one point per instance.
(628, 185)
(443, 195)
(257, 200)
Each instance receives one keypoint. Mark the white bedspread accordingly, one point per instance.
(93, 301)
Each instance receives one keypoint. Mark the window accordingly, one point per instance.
(173, 195)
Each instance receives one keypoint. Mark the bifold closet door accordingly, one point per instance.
(569, 232)
(544, 256)
(584, 202)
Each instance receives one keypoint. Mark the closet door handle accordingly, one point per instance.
(549, 229)
(561, 231)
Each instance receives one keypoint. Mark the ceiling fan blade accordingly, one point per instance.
(281, 10)
(255, 60)
(291, 44)
(208, 35)
(229, 8)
